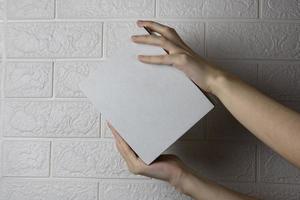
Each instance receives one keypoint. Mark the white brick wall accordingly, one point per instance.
(55, 145)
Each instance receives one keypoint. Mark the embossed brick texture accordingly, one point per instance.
(281, 9)
(63, 190)
(138, 190)
(50, 119)
(25, 79)
(54, 40)
(69, 74)
(105, 9)
(280, 80)
(30, 9)
(26, 158)
(88, 159)
(253, 40)
(1, 9)
(55, 145)
(208, 8)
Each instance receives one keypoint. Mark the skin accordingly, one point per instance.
(272, 123)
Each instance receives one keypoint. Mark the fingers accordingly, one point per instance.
(158, 60)
(122, 146)
(133, 162)
(157, 41)
(164, 30)
(172, 59)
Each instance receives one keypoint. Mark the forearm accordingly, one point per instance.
(273, 123)
(201, 189)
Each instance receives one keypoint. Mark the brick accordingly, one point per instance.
(275, 169)
(50, 119)
(281, 9)
(68, 75)
(208, 8)
(26, 158)
(218, 160)
(1, 158)
(279, 192)
(54, 40)
(280, 79)
(1, 40)
(222, 125)
(27, 79)
(30, 9)
(138, 190)
(48, 190)
(105, 9)
(1, 71)
(191, 32)
(97, 159)
(1, 9)
(253, 40)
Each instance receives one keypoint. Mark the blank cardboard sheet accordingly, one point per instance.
(151, 106)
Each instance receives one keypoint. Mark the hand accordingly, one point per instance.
(180, 55)
(167, 167)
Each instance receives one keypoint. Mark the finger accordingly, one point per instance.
(157, 41)
(158, 60)
(126, 152)
(114, 131)
(154, 26)
(164, 30)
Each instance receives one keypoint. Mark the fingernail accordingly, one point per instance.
(140, 57)
(139, 22)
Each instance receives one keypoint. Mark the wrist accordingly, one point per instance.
(217, 81)
(188, 184)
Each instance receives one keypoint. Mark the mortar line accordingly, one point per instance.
(260, 10)
(155, 10)
(104, 27)
(3, 67)
(50, 159)
(55, 9)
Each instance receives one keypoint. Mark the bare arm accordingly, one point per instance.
(273, 123)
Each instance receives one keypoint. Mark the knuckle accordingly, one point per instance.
(170, 30)
(163, 40)
(183, 59)
(151, 23)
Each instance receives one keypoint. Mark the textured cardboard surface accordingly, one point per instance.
(150, 105)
